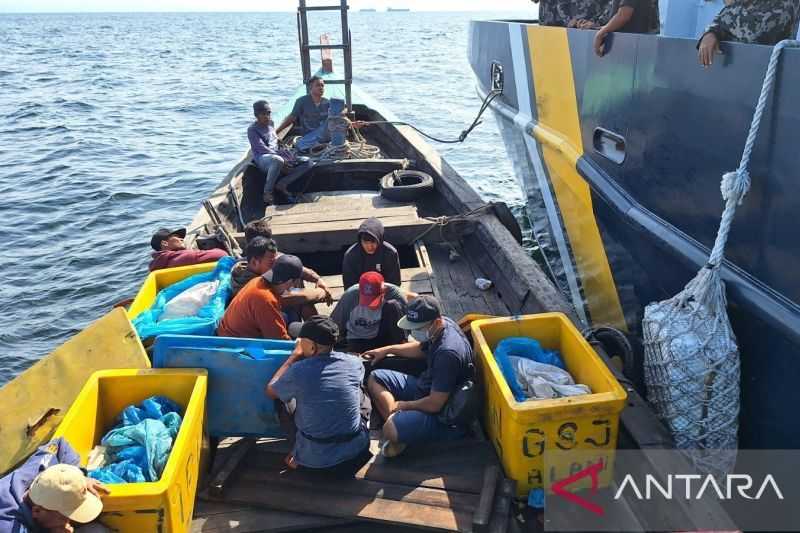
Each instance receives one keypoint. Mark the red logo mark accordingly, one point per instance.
(594, 472)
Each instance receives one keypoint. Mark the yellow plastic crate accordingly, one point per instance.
(523, 432)
(165, 505)
(157, 280)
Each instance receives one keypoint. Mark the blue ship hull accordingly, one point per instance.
(621, 157)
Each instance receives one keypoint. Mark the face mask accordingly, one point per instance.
(420, 335)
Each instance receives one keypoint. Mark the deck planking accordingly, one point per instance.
(436, 487)
(329, 222)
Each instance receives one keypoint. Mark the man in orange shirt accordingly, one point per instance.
(255, 311)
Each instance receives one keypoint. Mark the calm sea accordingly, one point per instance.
(112, 125)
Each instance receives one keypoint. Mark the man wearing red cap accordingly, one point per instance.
(367, 314)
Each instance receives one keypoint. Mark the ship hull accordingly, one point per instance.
(620, 159)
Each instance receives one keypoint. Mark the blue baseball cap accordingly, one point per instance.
(421, 312)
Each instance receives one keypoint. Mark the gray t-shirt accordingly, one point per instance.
(308, 114)
(328, 392)
(360, 321)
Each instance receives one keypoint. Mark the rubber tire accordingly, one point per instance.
(421, 184)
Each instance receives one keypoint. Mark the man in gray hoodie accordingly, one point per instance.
(371, 254)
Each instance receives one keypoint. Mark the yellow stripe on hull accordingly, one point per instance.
(559, 134)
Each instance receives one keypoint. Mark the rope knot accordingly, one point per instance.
(735, 185)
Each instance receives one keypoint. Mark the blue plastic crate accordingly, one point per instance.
(238, 371)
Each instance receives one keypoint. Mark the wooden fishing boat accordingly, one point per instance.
(447, 237)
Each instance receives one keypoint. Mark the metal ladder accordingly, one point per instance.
(306, 47)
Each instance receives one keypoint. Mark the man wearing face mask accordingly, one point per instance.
(331, 416)
(410, 405)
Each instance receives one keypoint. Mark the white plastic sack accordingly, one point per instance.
(540, 381)
(189, 302)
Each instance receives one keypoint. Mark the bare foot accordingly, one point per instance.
(290, 462)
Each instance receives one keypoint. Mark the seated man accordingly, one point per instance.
(371, 254)
(247, 269)
(265, 149)
(310, 111)
(626, 16)
(170, 251)
(331, 414)
(410, 405)
(367, 314)
(257, 311)
(50, 493)
(749, 21)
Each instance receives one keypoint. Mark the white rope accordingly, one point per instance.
(692, 366)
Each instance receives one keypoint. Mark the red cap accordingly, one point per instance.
(370, 290)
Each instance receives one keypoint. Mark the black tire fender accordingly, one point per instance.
(405, 185)
(507, 219)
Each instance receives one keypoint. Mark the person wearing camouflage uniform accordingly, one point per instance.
(568, 12)
(749, 21)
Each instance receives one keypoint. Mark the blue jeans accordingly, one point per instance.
(271, 165)
(414, 427)
(312, 138)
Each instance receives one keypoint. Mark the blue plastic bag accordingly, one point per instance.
(138, 446)
(529, 349)
(147, 324)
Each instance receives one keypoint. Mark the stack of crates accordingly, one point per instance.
(543, 441)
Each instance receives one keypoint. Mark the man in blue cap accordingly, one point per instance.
(409, 405)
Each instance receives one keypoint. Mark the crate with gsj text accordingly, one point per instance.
(534, 439)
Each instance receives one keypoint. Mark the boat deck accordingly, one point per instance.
(436, 487)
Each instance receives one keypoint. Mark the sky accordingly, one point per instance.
(36, 6)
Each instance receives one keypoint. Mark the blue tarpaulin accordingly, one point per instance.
(138, 446)
(527, 348)
(205, 322)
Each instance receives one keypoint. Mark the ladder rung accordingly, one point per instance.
(326, 46)
(322, 8)
(337, 82)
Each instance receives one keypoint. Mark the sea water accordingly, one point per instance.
(113, 125)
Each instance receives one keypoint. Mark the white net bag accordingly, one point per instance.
(691, 360)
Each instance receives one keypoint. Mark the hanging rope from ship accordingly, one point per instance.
(692, 367)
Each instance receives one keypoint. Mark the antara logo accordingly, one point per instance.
(741, 482)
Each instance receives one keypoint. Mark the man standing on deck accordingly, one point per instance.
(410, 406)
(170, 251)
(330, 424)
(749, 21)
(257, 311)
(50, 493)
(567, 13)
(625, 16)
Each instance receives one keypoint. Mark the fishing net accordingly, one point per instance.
(691, 357)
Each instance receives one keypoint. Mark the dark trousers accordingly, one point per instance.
(345, 469)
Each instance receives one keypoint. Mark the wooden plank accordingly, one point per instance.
(349, 214)
(502, 506)
(223, 476)
(340, 505)
(483, 512)
(324, 226)
(419, 286)
(215, 517)
(406, 274)
(363, 487)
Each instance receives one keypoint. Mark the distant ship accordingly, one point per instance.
(390, 9)
(368, 10)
